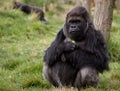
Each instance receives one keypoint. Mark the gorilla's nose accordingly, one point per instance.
(73, 28)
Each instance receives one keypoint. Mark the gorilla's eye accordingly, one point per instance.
(74, 21)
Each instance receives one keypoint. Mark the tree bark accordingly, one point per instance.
(103, 16)
(117, 4)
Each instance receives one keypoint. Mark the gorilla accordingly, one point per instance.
(78, 54)
(29, 9)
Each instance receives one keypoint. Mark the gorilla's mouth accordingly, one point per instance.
(77, 35)
(74, 30)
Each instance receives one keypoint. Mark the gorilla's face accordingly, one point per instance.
(76, 24)
(76, 28)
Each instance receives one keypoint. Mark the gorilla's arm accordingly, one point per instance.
(102, 51)
(54, 51)
(97, 58)
(57, 49)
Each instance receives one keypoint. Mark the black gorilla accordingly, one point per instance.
(28, 9)
(78, 54)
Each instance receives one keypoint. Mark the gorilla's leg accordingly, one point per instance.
(86, 77)
(51, 76)
(60, 75)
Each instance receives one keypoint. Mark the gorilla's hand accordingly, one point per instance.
(69, 46)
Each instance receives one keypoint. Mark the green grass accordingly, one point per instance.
(23, 40)
(114, 42)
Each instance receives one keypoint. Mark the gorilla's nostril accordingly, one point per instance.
(73, 26)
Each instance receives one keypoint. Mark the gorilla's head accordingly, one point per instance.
(77, 23)
(17, 5)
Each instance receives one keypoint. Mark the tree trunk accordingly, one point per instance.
(103, 16)
(117, 4)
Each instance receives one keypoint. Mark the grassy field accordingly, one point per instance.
(23, 40)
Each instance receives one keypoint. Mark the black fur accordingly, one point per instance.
(65, 62)
(29, 9)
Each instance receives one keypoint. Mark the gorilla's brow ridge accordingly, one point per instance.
(75, 18)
